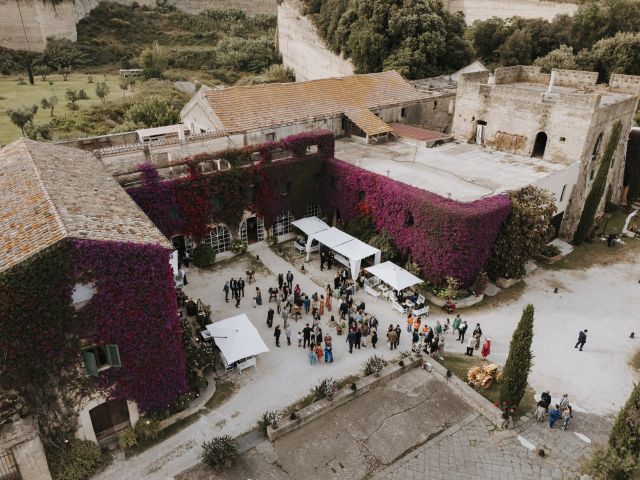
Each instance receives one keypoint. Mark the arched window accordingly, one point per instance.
(312, 210)
(539, 145)
(283, 223)
(219, 238)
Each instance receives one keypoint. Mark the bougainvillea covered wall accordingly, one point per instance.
(446, 238)
(42, 334)
(135, 308)
(190, 204)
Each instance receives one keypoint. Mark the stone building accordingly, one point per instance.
(359, 106)
(56, 201)
(563, 118)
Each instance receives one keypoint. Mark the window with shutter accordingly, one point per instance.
(90, 364)
(113, 356)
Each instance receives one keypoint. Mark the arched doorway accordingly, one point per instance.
(283, 223)
(109, 418)
(251, 229)
(539, 145)
(219, 238)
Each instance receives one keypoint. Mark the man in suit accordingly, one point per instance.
(582, 339)
(241, 285)
(290, 279)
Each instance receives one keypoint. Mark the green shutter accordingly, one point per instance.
(90, 365)
(113, 355)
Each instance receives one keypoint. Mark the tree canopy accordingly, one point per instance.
(418, 38)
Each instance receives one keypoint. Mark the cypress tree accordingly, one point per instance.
(625, 435)
(599, 184)
(516, 370)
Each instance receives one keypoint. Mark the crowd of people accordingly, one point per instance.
(560, 411)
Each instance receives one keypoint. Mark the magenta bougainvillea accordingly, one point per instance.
(446, 238)
(134, 307)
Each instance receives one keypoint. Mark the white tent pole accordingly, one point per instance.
(308, 247)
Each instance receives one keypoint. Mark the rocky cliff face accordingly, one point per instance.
(26, 24)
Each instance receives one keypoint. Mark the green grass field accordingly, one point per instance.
(13, 95)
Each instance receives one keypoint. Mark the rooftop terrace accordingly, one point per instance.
(461, 171)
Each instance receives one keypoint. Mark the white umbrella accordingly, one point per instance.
(391, 274)
(237, 338)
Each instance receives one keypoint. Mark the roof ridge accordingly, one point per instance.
(45, 190)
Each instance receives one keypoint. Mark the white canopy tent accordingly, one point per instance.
(394, 276)
(310, 226)
(331, 237)
(356, 250)
(238, 340)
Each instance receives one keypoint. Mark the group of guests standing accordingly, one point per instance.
(236, 288)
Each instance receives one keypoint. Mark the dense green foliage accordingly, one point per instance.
(516, 369)
(416, 37)
(152, 112)
(78, 460)
(598, 187)
(219, 452)
(525, 232)
(203, 256)
(22, 116)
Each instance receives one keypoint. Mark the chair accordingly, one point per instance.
(421, 311)
(400, 308)
(421, 300)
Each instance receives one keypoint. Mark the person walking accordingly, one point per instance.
(280, 281)
(398, 332)
(225, 289)
(477, 334)
(351, 339)
(306, 335)
(313, 358)
(258, 296)
(392, 337)
(287, 332)
(241, 285)
(237, 297)
(270, 315)
(374, 335)
(582, 339)
(290, 279)
(470, 345)
(299, 339)
(486, 349)
(276, 334)
(456, 325)
(462, 329)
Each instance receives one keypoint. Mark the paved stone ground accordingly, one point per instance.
(473, 449)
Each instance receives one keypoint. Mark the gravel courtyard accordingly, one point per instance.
(603, 297)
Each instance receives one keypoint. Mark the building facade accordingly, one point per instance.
(564, 118)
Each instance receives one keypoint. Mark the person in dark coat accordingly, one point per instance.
(225, 289)
(280, 280)
(318, 336)
(290, 279)
(276, 334)
(306, 335)
(582, 339)
(398, 332)
(351, 338)
(429, 337)
(241, 285)
(270, 314)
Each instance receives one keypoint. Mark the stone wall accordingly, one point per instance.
(22, 440)
(303, 50)
(26, 24)
(484, 9)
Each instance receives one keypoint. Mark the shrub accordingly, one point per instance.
(599, 184)
(625, 435)
(373, 365)
(78, 460)
(608, 464)
(516, 369)
(238, 246)
(268, 418)
(127, 439)
(219, 452)
(147, 429)
(203, 256)
(326, 388)
(152, 112)
(550, 251)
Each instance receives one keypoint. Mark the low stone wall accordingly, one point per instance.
(22, 440)
(195, 406)
(473, 398)
(462, 303)
(344, 395)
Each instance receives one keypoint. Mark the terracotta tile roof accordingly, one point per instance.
(416, 133)
(49, 192)
(367, 121)
(260, 106)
